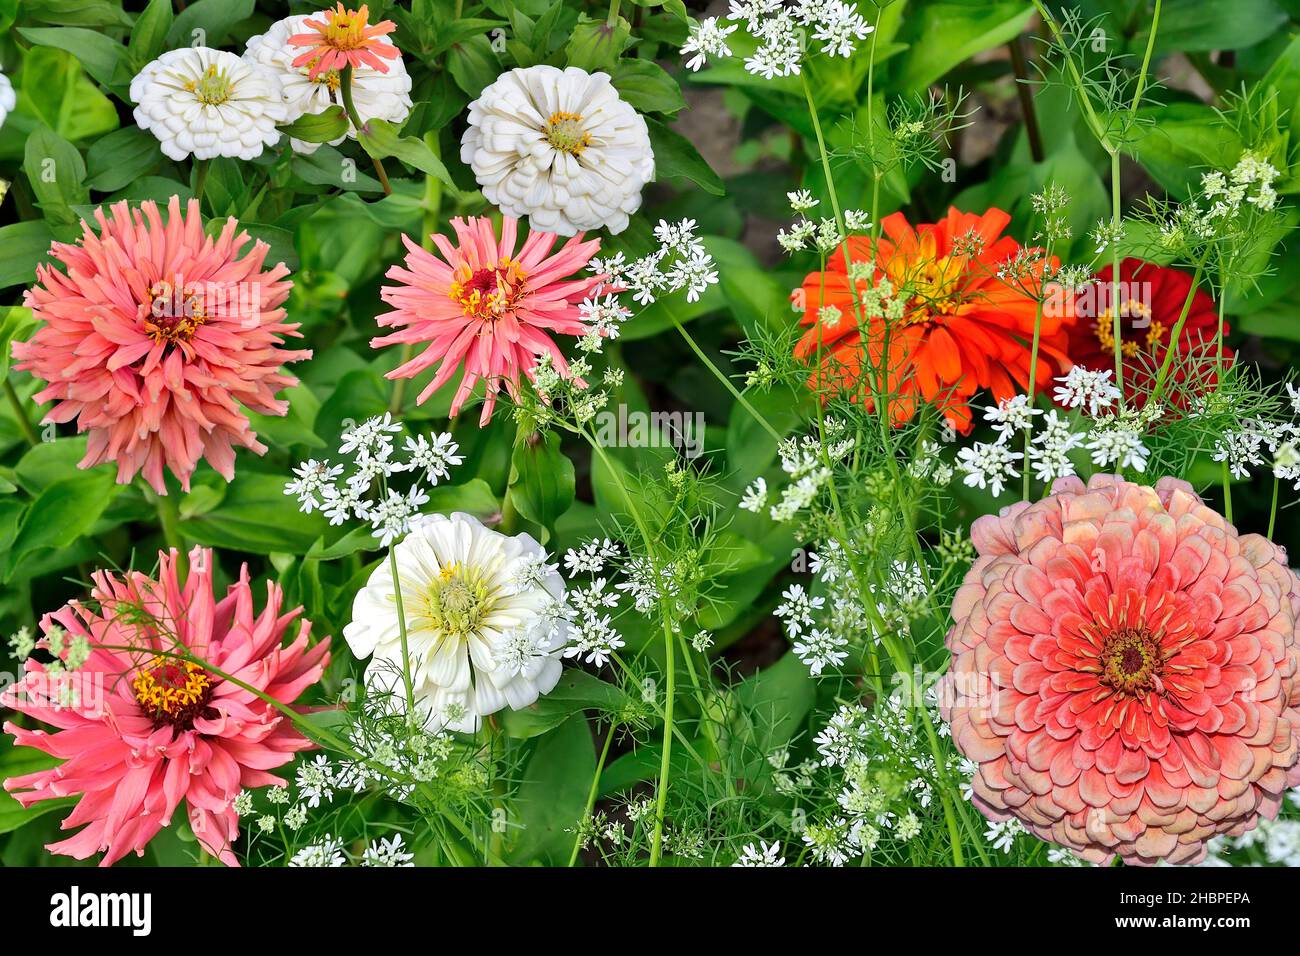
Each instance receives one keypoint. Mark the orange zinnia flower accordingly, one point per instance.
(958, 327)
(344, 38)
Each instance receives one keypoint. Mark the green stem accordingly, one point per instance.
(24, 423)
(1146, 62)
(169, 520)
(613, 13)
(1176, 335)
(201, 168)
(591, 794)
(727, 383)
(1272, 511)
(401, 630)
(1033, 368)
(1116, 331)
(345, 86)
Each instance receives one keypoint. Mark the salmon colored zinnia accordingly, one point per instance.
(344, 38)
(960, 329)
(486, 305)
(154, 334)
(147, 725)
(1124, 671)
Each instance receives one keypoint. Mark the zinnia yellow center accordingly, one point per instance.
(1131, 308)
(345, 30)
(1132, 661)
(172, 691)
(487, 293)
(564, 131)
(213, 88)
(457, 602)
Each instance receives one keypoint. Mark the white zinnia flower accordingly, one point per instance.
(478, 630)
(208, 103)
(384, 96)
(8, 100)
(560, 147)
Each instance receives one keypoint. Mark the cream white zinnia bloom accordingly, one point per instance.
(208, 103)
(559, 147)
(7, 98)
(482, 627)
(384, 96)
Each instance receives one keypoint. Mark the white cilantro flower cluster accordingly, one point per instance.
(679, 263)
(365, 493)
(785, 32)
(1226, 206)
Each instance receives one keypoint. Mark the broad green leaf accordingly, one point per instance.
(16, 325)
(552, 795)
(596, 44)
(542, 481)
(57, 93)
(318, 127)
(473, 64)
(17, 762)
(149, 35)
(382, 139)
(676, 157)
(647, 86)
(120, 158)
(207, 22)
(576, 691)
(97, 53)
(256, 516)
(62, 513)
(57, 174)
(22, 246)
(946, 33)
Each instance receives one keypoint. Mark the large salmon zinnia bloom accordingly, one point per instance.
(148, 727)
(1124, 671)
(486, 305)
(154, 334)
(962, 327)
(1151, 299)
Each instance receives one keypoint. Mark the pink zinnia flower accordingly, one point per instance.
(1125, 671)
(154, 335)
(139, 729)
(487, 306)
(344, 38)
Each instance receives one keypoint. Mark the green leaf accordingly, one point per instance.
(1189, 26)
(596, 45)
(16, 325)
(327, 167)
(57, 93)
(149, 35)
(318, 127)
(256, 516)
(647, 86)
(1183, 140)
(121, 157)
(944, 34)
(676, 157)
(542, 481)
(61, 514)
(552, 796)
(208, 22)
(473, 64)
(381, 140)
(472, 497)
(576, 691)
(22, 246)
(97, 53)
(57, 174)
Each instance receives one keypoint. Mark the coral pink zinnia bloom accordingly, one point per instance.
(153, 337)
(147, 730)
(344, 39)
(1124, 671)
(487, 306)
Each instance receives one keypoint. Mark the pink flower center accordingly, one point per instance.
(172, 691)
(174, 315)
(487, 293)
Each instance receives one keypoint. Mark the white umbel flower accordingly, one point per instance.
(479, 625)
(384, 96)
(208, 103)
(7, 98)
(560, 147)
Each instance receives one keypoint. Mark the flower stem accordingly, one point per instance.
(1175, 336)
(201, 168)
(727, 383)
(169, 520)
(613, 13)
(401, 630)
(345, 87)
(595, 788)
(1272, 511)
(24, 423)
(1115, 217)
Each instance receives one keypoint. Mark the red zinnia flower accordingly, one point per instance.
(1151, 299)
(961, 328)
